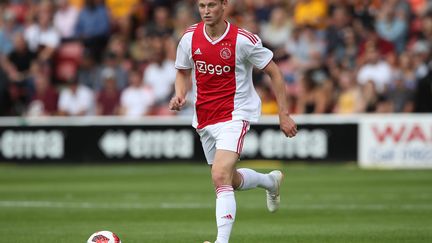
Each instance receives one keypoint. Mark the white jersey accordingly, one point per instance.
(222, 73)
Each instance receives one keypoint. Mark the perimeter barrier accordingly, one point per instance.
(374, 141)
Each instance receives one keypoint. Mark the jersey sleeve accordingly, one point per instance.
(256, 53)
(184, 53)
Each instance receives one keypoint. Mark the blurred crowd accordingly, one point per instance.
(116, 57)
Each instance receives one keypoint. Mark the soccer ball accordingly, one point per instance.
(104, 237)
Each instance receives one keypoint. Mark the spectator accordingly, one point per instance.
(407, 70)
(140, 48)
(18, 62)
(113, 62)
(183, 19)
(336, 31)
(350, 98)
(285, 63)
(277, 31)
(269, 104)
(346, 53)
(45, 100)
(117, 45)
(401, 99)
(17, 99)
(78, 4)
(41, 36)
(120, 9)
(262, 10)
(120, 13)
(90, 72)
(93, 27)
(392, 26)
(136, 100)
(249, 23)
(423, 97)
(65, 19)
(17, 68)
(376, 70)
(311, 97)
(76, 100)
(108, 98)
(310, 13)
(371, 98)
(8, 29)
(161, 24)
(305, 48)
(160, 75)
(20, 9)
(370, 38)
(364, 12)
(426, 27)
(421, 54)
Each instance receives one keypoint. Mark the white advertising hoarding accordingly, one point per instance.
(392, 141)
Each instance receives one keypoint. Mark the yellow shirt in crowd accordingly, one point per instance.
(117, 8)
(269, 108)
(347, 102)
(76, 3)
(120, 8)
(310, 12)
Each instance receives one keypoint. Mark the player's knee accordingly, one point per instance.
(221, 177)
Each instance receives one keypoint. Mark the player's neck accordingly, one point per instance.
(217, 30)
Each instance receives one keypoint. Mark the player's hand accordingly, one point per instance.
(287, 125)
(176, 103)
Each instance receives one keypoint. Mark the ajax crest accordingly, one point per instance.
(225, 53)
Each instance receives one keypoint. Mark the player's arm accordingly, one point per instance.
(287, 124)
(181, 89)
(184, 66)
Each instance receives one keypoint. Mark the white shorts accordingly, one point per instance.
(227, 135)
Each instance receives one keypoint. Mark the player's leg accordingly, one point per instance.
(229, 138)
(246, 179)
(223, 170)
(225, 201)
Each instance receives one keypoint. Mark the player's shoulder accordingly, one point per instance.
(190, 30)
(247, 37)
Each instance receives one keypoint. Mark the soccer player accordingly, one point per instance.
(220, 56)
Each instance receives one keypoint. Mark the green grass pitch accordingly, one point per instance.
(175, 203)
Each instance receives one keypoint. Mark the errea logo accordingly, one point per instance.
(203, 67)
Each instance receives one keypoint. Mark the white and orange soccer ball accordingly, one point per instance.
(104, 236)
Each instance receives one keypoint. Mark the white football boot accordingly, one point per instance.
(273, 197)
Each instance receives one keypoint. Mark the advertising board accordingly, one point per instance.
(395, 142)
(110, 140)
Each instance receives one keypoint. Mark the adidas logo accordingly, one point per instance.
(228, 216)
(198, 52)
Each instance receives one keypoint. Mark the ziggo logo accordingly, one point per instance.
(203, 67)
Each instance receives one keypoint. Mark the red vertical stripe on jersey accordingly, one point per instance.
(215, 76)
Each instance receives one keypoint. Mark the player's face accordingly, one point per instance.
(212, 11)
